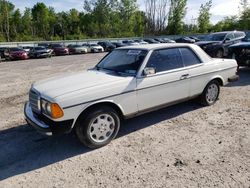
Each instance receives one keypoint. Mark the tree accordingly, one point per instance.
(244, 15)
(204, 17)
(227, 24)
(40, 15)
(16, 24)
(157, 14)
(6, 10)
(27, 23)
(177, 12)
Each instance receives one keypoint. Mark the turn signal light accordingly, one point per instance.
(56, 111)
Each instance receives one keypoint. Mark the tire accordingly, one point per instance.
(98, 127)
(220, 53)
(210, 93)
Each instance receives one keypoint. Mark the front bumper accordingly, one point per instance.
(43, 55)
(45, 125)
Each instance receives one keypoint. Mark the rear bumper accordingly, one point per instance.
(44, 125)
(233, 78)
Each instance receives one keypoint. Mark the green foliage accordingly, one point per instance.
(111, 18)
(177, 12)
(204, 17)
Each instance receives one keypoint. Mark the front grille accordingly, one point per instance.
(34, 101)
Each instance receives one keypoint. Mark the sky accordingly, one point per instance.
(219, 10)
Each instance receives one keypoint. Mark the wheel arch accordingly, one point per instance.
(109, 103)
(217, 78)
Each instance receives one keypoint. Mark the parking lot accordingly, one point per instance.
(185, 145)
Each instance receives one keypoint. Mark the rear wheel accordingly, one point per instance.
(210, 93)
(98, 127)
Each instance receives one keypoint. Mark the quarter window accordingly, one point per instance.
(189, 58)
(166, 59)
(230, 36)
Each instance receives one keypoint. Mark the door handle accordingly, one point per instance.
(184, 76)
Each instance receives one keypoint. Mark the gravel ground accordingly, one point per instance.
(185, 145)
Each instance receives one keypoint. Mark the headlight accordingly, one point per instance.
(51, 109)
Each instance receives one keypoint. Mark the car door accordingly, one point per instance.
(169, 83)
(196, 70)
(229, 40)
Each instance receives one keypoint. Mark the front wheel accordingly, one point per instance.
(210, 93)
(98, 127)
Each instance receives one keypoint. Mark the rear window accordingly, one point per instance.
(239, 34)
(15, 49)
(188, 57)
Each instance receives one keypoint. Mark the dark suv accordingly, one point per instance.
(241, 51)
(216, 44)
(107, 46)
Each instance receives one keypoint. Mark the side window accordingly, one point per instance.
(239, 34)
(230, 36)
(166, 59)
(189, 58)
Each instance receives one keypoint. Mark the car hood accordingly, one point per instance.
(42, 51)
(203, 43)
(80, 48)
(86, 80)
(17, 52)
(241, 45)
(60, 48)
(96, 47)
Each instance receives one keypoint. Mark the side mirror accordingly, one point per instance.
(149, 71)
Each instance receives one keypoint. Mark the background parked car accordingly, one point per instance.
(194, 38)
(2, 49)
(94, 48)
(241, 51)
(40, 51)
(59, 49)
(159, 40)
(185, 40)
(107, 46)
(77, 49)
(26, 48)
(118, 44)
(167, 40)
(130, 42)
(15, 54)
(216, 44)
(140, 41)
(46, 45)
(151, 41)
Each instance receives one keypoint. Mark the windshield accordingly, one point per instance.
(15, 49)
(216, 37)
(39, 48)
(247, 37)
(75, 46)
(57, 46)
(123, 61)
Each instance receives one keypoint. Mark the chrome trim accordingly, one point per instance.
(34, 99)
(31, 118)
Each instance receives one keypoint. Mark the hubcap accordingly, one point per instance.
(102, 128)
(212, 93)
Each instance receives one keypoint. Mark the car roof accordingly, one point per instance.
(226, 32)
(157, 46)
